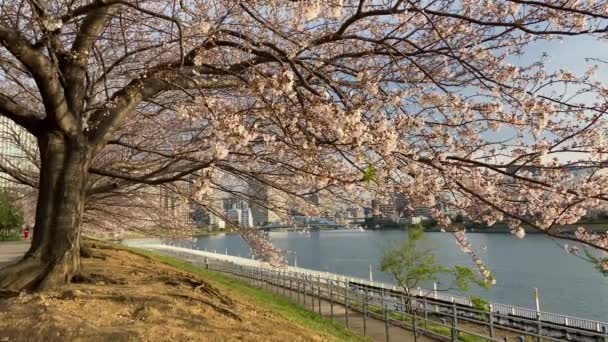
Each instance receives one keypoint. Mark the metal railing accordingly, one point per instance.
(439, 311)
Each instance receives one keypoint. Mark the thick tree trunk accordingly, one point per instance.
(54, 255)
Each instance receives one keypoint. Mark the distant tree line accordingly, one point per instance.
(11, 218)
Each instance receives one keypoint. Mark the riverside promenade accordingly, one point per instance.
(445, 313)
(374, 328)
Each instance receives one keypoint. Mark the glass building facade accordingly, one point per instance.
(18, 154)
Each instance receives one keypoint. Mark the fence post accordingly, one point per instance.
(331, 302)
(346, 300)
(402, 307)
(298, 285)
(415, 326)
(426, 313)
(382, 300)
(454, 323)
(312, 291)
(491, 322)
(540, 328)
(319, 291)
(284, 283)
(386, 324)
(304, 288)
(290, 285)
(365, 314)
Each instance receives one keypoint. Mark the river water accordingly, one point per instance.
(567, 284)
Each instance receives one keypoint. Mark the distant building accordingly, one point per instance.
(18, 152)
(384, 209)
(216, 222)
(414, 219)
(261, 198)
(355, 212)
(422, 212)
(173, 205)
(234, 202)
(206, 218)
(234, 216)
(400, 204)
(246, 218)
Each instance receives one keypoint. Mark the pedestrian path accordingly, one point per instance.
(10, 252)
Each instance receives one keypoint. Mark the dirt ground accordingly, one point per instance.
(129, 297)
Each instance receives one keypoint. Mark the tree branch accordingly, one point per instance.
(21, 116)
(46, 75)
(74, 68)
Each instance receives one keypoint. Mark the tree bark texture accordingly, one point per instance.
(54, 255)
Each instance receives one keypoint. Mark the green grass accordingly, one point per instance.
(11, 237)
(278, 304)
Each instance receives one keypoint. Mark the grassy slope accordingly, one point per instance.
(280, 305)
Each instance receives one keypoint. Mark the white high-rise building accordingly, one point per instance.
(246, 218)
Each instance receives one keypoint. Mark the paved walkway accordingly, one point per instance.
(12, 251)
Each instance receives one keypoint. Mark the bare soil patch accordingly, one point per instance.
(123, 296)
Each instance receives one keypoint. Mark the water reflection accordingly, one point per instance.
(567, 284)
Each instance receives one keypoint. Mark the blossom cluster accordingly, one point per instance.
(465, 246)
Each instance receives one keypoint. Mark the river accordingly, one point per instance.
(567, 284)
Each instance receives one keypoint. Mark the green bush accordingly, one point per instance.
(411, 264)
(480, 304)
(11, 218)
(11, 236)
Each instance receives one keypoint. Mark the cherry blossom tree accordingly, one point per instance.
(303, 96)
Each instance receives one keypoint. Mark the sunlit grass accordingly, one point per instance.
(278, 304)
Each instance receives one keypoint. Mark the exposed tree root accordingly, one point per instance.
(197, 286)
(24, 275)
(215, 307)
(8, 294)
(31, 273)
(93, 278)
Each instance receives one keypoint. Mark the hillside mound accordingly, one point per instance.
(124, 296)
